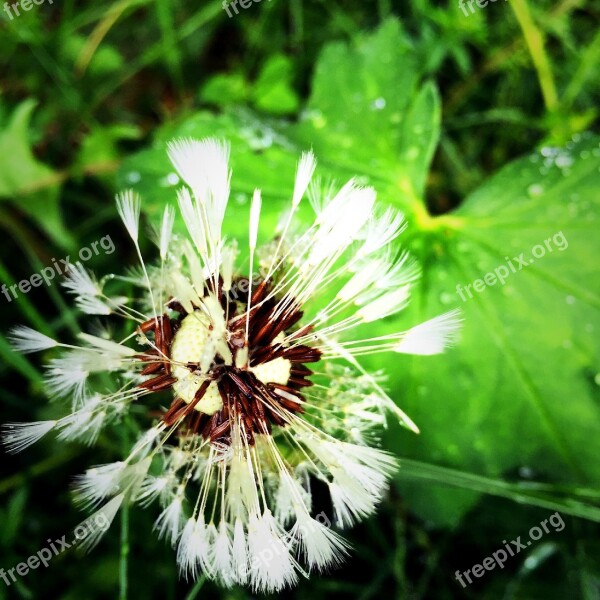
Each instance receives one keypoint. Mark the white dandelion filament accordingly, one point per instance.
(128, 206)
(432, 336)
(166, 231)
(254, 219)
(27, 340)
(16, 437)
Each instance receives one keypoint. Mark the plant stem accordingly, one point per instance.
(196, 589)
(534, 494)
(124, 558)
(535, 43)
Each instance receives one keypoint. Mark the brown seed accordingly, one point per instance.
(152, 368)
(148, 325)
(220, 431)
(158, 383)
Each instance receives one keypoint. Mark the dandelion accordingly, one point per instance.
(258, 373)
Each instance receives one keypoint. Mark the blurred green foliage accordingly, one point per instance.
(479, 127)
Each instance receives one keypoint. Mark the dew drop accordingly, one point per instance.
(172, 179)
(316, 117)
(526, 472)
(412, 152)
(531, 562)
(378, 104)
(597, 379)
(133, 177)
(535, 190)
(570, 299)
(446, 298)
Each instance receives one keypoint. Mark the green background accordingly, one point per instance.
(480, 127)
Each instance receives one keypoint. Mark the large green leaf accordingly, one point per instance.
(521, 390)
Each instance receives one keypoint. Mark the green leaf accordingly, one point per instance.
(100, 146)
(25, 181)
(520, 393)
(225, 89)
(15, 512)
(521, 390)
(273, 92)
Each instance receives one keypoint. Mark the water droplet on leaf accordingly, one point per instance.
(535, 190)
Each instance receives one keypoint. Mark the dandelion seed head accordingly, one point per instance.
(255, 365)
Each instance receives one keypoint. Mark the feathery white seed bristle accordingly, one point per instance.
(272, 565)
(239, 553)
(223, 560)
(79, 281)
(387, 304)
(193, 546)
(27, 340)
(170, 521)
(193, 221)
(203, 165)
(93, 306)
(166, 231)
(98, 483)
(128, 205)
(321, 546)
(83, 425)
(381, 230)
(431, 337)
(16, 437)
(304, 173)
(96, 525)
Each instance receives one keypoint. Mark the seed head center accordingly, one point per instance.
(193, 344)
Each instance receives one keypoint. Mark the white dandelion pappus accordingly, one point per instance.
(265, 388)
